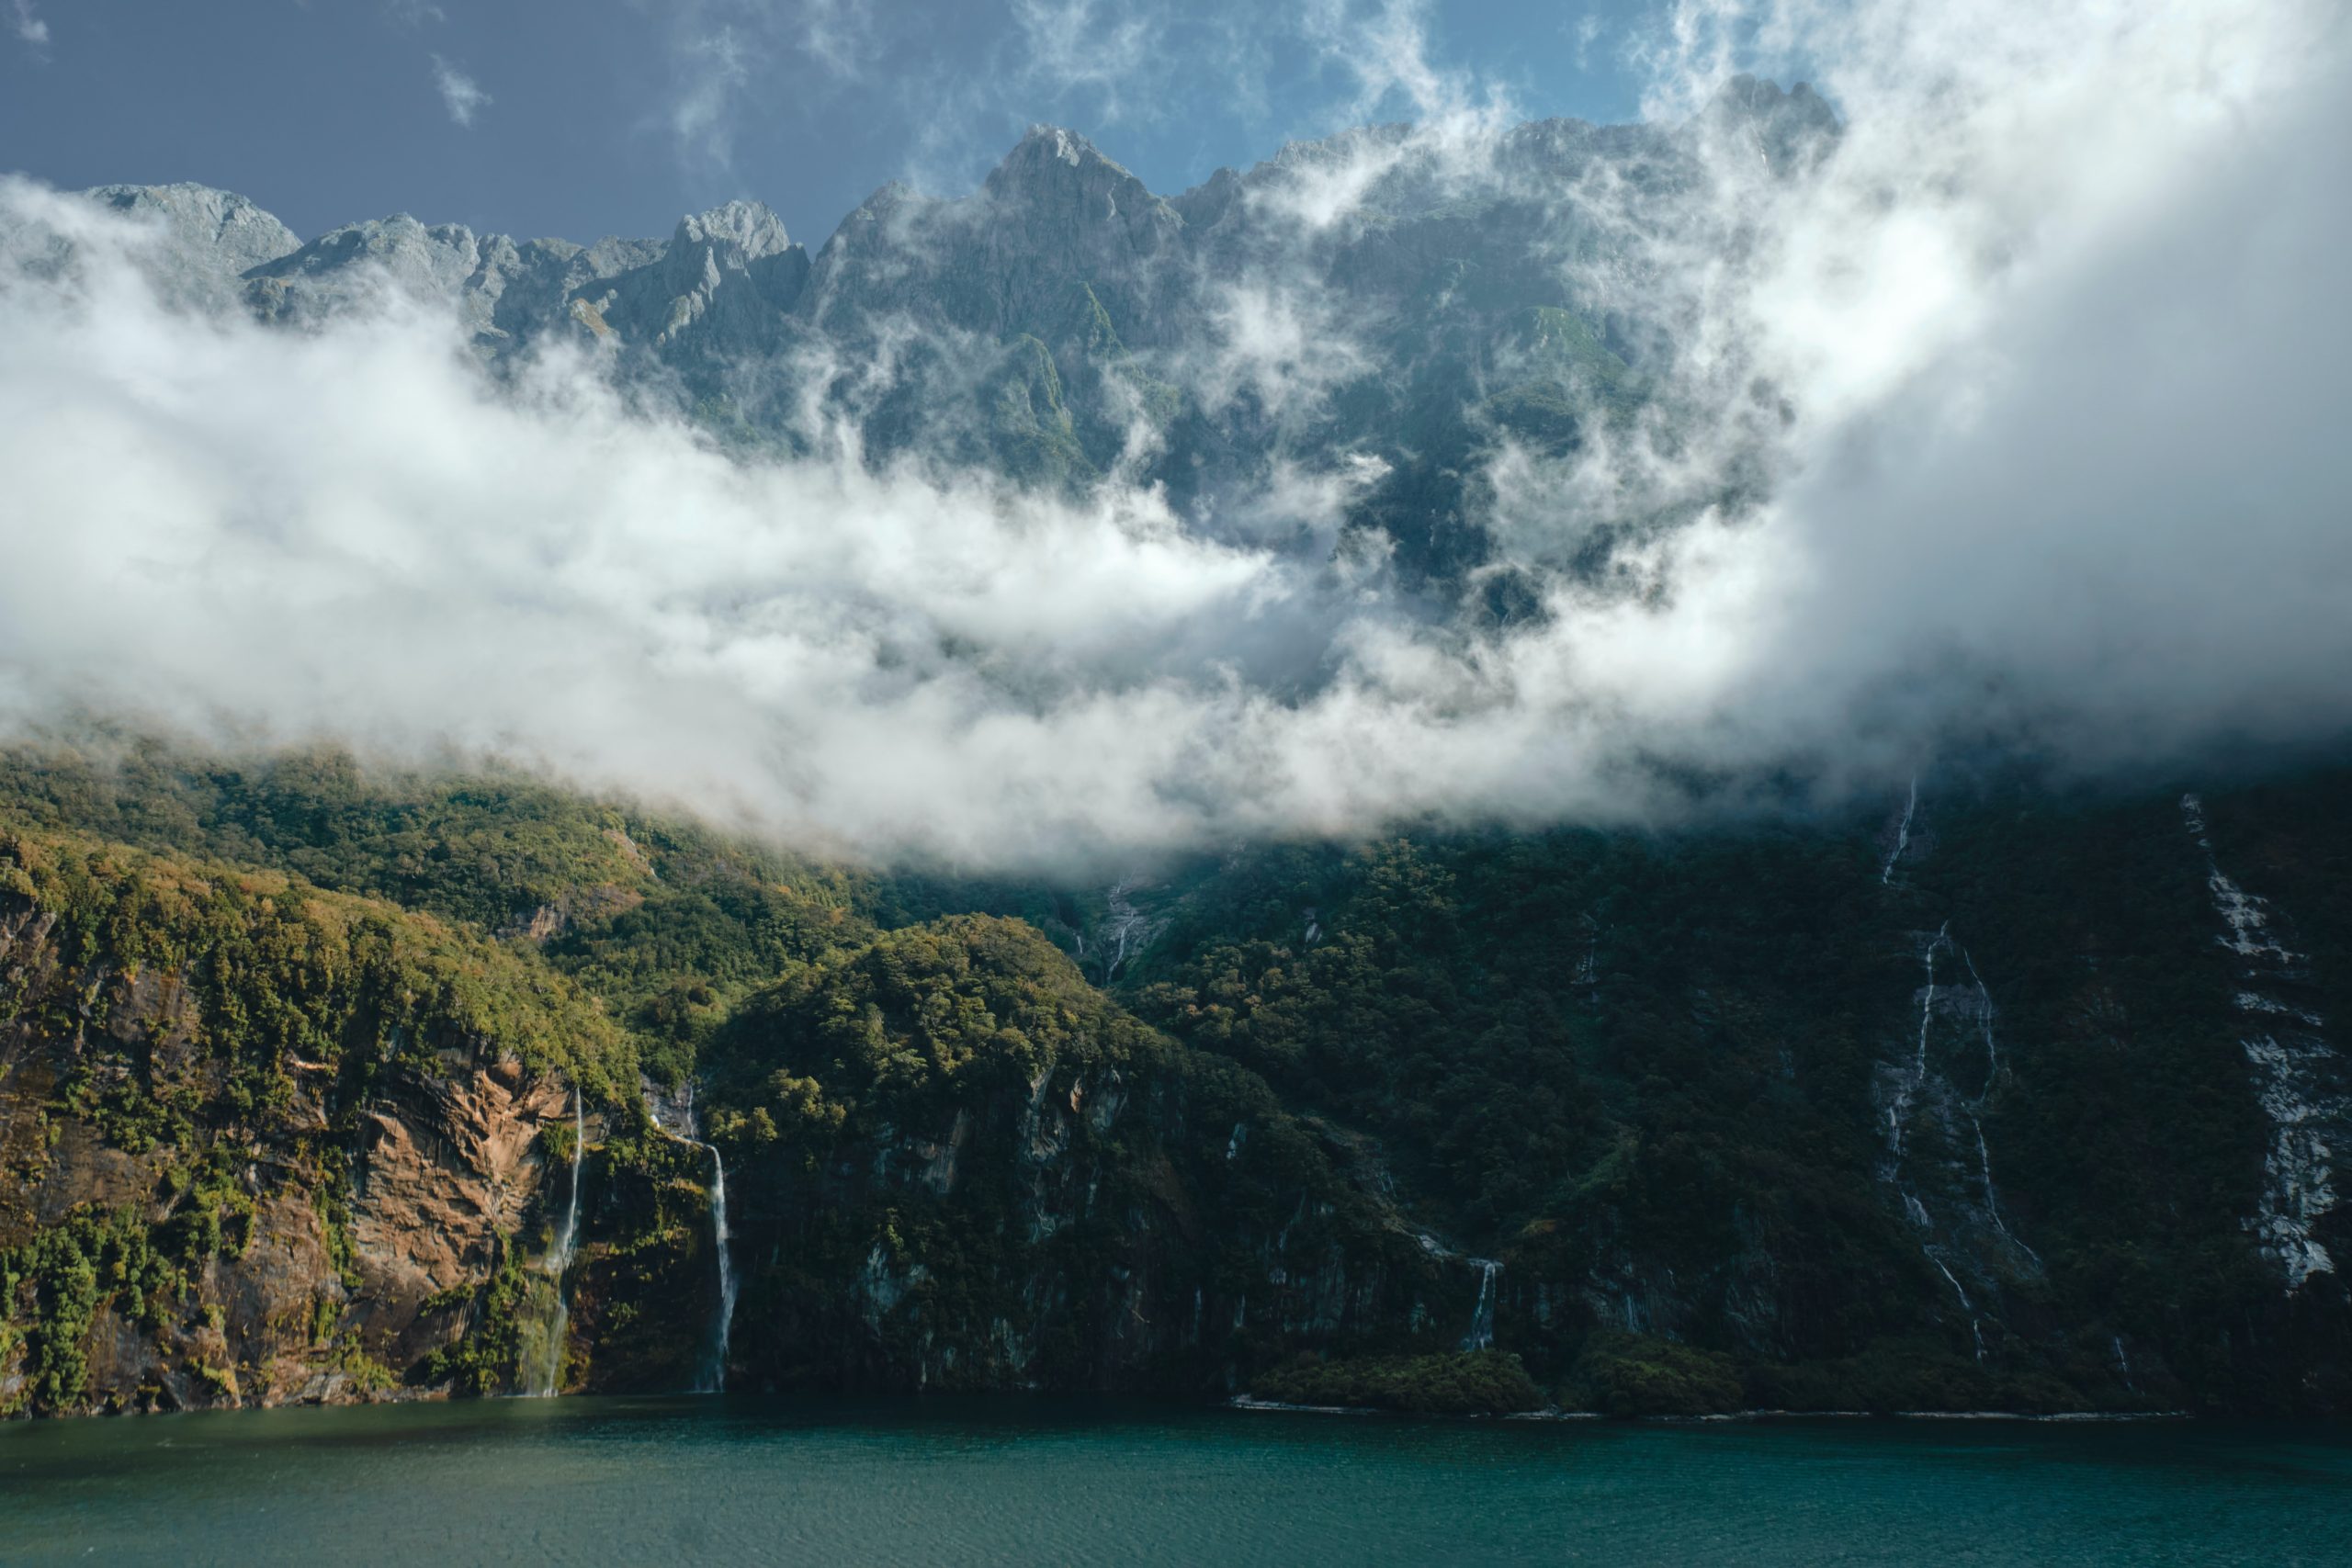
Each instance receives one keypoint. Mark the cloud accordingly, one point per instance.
(1587, 32)
(839, 35)
(460, 94)
(27, 25)
(716, 47)
(2048, 347)
(1385, 44)
(1279, 343)
(1100, 64)
(809, 646)
(712, 68)
(1101, 48)
(2011, 417)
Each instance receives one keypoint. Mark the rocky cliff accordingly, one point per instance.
(266, 1143)
(964, 1168)
(261, 1144)
(1998, 1098)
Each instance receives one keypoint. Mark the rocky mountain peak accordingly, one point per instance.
(205, 239)
(229, 227)
(1049, 159)
(749, 229)
(722, 279)
(400, 241)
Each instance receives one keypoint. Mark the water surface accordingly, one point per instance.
(597, 1481)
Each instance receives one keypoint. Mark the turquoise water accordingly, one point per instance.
(594, 1481)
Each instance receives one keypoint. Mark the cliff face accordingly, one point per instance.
(188, 1219)
(2010, 1104)
(2019, 1101)
(1072, 1233)
(962, 1169)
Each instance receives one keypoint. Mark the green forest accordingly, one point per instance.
(1750, 1114)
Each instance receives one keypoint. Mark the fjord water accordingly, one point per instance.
(592, 1481)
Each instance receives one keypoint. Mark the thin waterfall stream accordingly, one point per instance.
(1902, 836)
(714, 1378)
(549, 1368)
(1482, 1316)
(711, 1376)
(1946, 1183)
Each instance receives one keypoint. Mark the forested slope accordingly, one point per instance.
(2021, 1097)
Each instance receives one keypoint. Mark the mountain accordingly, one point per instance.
(1063, 322)
(320, 1083)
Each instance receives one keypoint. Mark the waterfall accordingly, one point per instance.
(1975, 1112)
(1991, 1198)
(711, 1376)
(1933, 1182)
(560, 1258)
(1899, 1113)
(1482, 1316)
(1976, 1331)
(1127, 930)
(1927, 1004)
(1902, 836)
(549, 1368)
(2293, 1068)
(1956, 1222)
(1985, 1023)
(714, 1377)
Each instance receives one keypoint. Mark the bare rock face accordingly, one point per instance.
(447, 1169)
(206, 239)
(721, 288)
(331, 1251)
(505, 292)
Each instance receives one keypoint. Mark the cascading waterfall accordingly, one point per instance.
(1976, 1108)
(711, 1376)
(1991, 1198)
(1482, 1316)
(1927, 1004)
(1976, 1330)
(1985, 1023)
(549, 1368)
(569, 1234)
(1902, 836)
(1127, 930)
(2292, 1065)
(1914, 1084)
(1955, 1226)
(714, 1378)
(1899, 1113)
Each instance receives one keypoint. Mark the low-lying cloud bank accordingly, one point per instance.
(2054, 343)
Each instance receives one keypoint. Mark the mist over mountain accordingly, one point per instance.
(1491, 764)
(1462, 471)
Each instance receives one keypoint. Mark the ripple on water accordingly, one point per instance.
(592, 1481)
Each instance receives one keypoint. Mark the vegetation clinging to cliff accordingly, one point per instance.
(666, 920)
(279, 978)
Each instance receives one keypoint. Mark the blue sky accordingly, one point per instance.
(582, 118)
